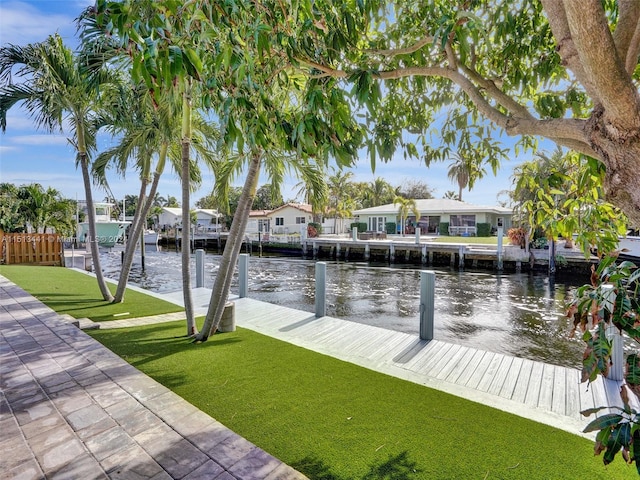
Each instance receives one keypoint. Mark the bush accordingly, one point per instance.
(361, 226)
(390, 227)
(516, 236)
(443, 228)
(313, 229)
(483, 229)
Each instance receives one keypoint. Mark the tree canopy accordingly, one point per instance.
(563, 70)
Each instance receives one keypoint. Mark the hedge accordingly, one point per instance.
(483, 229)
(443, 228)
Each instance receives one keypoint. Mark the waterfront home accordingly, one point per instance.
(462, 218)
(206, 219)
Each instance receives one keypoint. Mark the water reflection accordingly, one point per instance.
(516, 314)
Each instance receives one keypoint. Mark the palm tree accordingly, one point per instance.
(55, 88)
(451, 195)
(379, 192)
(43, 209)
(465, 172)
(406, 206)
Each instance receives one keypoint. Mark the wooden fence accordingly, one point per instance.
(31, 248)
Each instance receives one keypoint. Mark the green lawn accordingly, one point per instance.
(335, 421)
(72, 292)
(330, 419)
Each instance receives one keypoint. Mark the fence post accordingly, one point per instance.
(616, 372)
(199, 268)
(243, 275)
(427, 301)
(321, 289)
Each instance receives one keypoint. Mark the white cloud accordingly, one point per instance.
(22, 23)
(44, 139)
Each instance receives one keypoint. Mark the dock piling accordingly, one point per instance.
(427, 303)
(199, 268)
(321, 289)
(243, 275)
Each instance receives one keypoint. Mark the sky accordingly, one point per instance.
(29, 155)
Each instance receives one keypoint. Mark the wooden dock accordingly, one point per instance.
(542, 392)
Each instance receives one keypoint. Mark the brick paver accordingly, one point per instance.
(70, 408)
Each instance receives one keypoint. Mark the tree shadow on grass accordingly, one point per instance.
(396, 467)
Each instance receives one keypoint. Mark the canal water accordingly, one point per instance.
(520, 314)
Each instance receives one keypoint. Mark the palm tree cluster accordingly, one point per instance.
(32, 208)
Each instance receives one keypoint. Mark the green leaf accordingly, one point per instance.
(607, 420)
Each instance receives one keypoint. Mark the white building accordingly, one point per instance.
(206, 219)
(462, 217)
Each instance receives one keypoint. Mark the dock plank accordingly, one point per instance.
(509, 385)
(533, 388)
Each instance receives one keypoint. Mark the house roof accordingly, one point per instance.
(432, 206)
(259, 213)
(208, 211)
(173, 211)
(303, 207)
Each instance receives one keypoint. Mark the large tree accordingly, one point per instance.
(54, 89)
(565, 70)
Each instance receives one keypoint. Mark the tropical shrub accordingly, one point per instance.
(516, 236)
(390, 227)
(443, 228)
(483, 229)
(361, 226)
(611, 300)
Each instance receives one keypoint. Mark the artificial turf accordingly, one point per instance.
(68, 291)
(333, 420)
(330, 419)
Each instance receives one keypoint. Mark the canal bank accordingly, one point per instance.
(425, 251)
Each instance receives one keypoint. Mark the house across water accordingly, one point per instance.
(437, 216)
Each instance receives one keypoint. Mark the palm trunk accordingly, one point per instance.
(222, 284)
(142, 210)
(93, 241)
(186, 219)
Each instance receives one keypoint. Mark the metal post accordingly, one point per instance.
(427, 302)
(616, 371)
(321, 289)
(243, 275)
(199, 268)
(500, 235)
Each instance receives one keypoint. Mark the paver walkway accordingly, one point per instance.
(71, 409)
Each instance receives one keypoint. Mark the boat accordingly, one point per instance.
(151, 237)
(108, 231)
(629, 245)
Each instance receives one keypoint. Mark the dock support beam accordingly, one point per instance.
(321, 289)
(427, 302)
(367, 252)
(243, 275)
(337, 251)
(461, 257)
(392, 253)
(424, 255)
(199, 268)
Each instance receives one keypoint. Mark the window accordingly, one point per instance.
(279, 221)
(377, 224)
(300, 220)
(462, 220)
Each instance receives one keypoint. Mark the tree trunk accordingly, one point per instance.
(91, 217)
(222, 284)
(142, 210)
(186, 218)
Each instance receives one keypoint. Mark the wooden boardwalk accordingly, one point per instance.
(542, 392)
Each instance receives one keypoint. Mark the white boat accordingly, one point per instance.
(151, 237)
(629, 245)
(108, 231)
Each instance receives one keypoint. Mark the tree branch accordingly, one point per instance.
(554, 10)
(402, 51)
(628, 16)
(606, 70)
(634, 51)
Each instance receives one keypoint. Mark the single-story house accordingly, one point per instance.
(259, 222)
(462, 217)
(205, 218)
(290, 218)
(170, 217)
